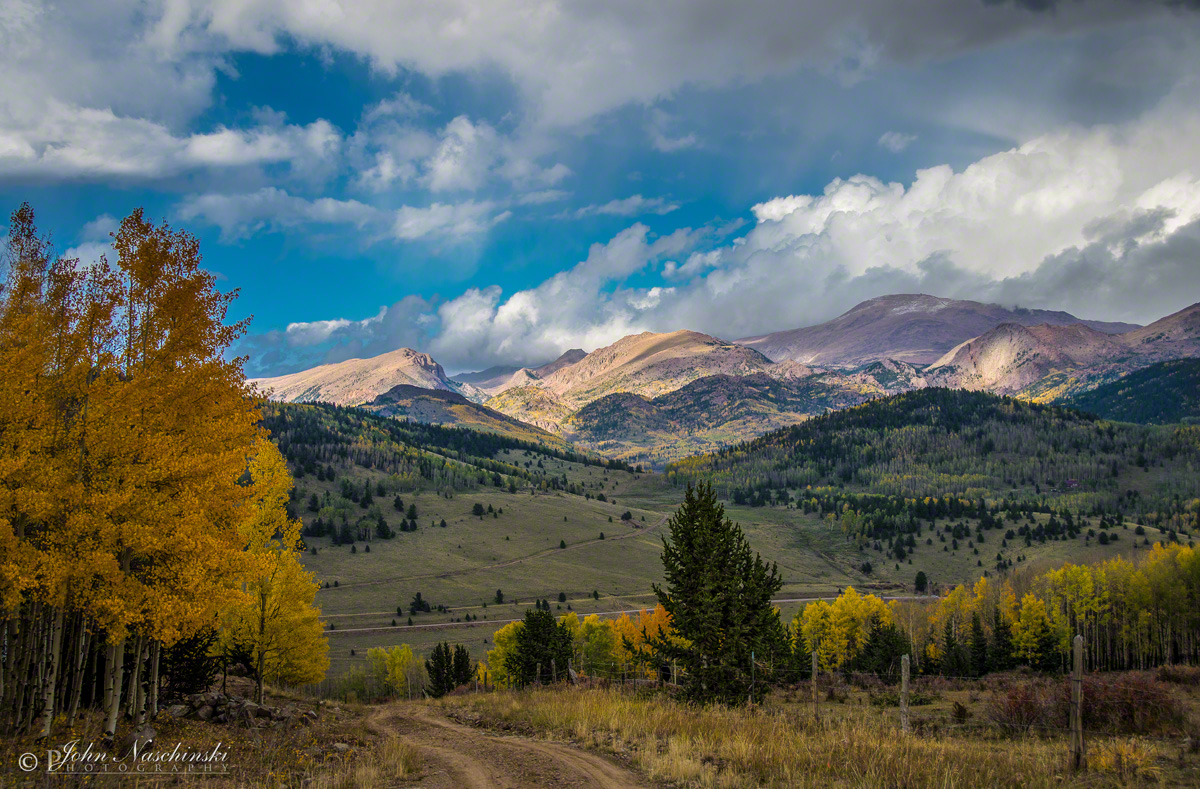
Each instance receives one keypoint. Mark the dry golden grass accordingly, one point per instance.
(388, 761)
(781, 745)
(256, 758)
(1127, 760)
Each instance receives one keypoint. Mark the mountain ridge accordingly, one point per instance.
(912, 327)
(356, 381)
(1048, 363)
(495, 380)
(676, 393)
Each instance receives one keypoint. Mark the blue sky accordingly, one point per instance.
(496, 183)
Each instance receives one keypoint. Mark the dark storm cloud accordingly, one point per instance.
(1050, 5)
(1130, 270)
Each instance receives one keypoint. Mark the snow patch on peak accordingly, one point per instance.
(922, 304)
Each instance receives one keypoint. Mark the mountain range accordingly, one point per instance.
(912, 328)
(357, 381)
(653, 397)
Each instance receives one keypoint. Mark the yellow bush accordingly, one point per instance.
(1125, 759)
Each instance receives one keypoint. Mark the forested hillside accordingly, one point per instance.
(315, 437)
(1163, 393)
(435, 407)
(970, 446)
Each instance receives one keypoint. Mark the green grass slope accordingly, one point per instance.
(544, 512)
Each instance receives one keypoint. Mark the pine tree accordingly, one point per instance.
(954, 661)
(189, 666)
(539, 641)
(883, 649)
(440, 668)
(801, 656)
(1002, 647)
(464, 667)
(979, 647)
(718, 596)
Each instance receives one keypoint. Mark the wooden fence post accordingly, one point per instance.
(816, 707)
(751, 693)
(553, 672)
(1078, 756)
(904, 694)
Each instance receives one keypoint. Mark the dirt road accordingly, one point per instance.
(457, 756)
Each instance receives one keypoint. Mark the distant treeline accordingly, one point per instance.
(900, 456)
(1132, 615)
(313, 437)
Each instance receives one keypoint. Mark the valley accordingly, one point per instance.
(490, 492)
(558, 532)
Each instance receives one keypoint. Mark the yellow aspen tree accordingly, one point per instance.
(1033, 634)
(277, 622)
(504, 643)
(397, 667)
(596, 645)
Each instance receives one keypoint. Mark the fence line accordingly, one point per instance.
(366, 686)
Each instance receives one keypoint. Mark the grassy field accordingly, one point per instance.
(856, 742)
(515, 549)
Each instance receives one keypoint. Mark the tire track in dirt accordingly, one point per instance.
(459, 756)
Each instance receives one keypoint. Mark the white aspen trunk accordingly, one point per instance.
(155, 652)
(6, 649)
(50, 683)
(112, 687)
(81, 672)
(24, 701)
(107, 679)
(260, 663)
(137, 694)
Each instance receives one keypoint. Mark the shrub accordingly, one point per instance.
(1126, 759)
(1112, 704)
(188, 666)
(1179, 675)
(1022, 706)
(1132, 703)
(891, 698)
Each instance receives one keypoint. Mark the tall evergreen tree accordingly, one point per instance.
(801, 666)
(881, 653)
(1001, 652)
(718, 595)
(464, 667)
(955, 662)
(979, 647)
(540, 640)
(440, 668)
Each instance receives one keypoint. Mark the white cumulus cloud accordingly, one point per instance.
(896, 141)
(628, 206)
(271, 209)
(453, 221)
